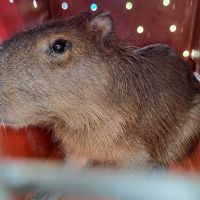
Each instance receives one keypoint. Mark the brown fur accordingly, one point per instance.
(106, 101)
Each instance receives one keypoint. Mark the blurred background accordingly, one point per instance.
(173, 22)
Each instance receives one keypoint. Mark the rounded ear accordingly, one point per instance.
(101, 24)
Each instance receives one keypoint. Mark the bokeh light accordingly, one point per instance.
(195, 54)
(11, 1)
(186, 53)
(65, 5)
(166, 2)
(93, 7)
(140, 29)
(129, 5)
(172, 28)
(35, 3)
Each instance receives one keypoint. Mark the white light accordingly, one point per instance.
(35, 3)
(129, 5)
(166, 2)
(140, 29)
(195, 54)
(11, 1)
(172, 28)
(65, 5)
(186, 53)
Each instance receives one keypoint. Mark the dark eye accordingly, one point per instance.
(60, 46)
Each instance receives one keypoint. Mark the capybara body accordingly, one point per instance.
(105, 100)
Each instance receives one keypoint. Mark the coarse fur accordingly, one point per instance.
(106, 100)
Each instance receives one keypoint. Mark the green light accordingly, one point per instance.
(129, 5)
(186, 53)
(166, 2)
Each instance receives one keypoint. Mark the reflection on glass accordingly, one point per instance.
(35, 3)
(65, 5)
(186, 53)
(140, 29)
(174, 6)
(172, 28)
(129, 5)
(93, 7)
(181, 30)
(166, 2)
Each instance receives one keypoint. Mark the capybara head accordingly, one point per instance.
(52, 69)
(106, 100)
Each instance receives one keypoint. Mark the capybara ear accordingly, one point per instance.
(101, 24)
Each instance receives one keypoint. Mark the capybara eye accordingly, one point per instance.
(60, 46)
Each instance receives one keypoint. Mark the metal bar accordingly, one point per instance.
(24, 177)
